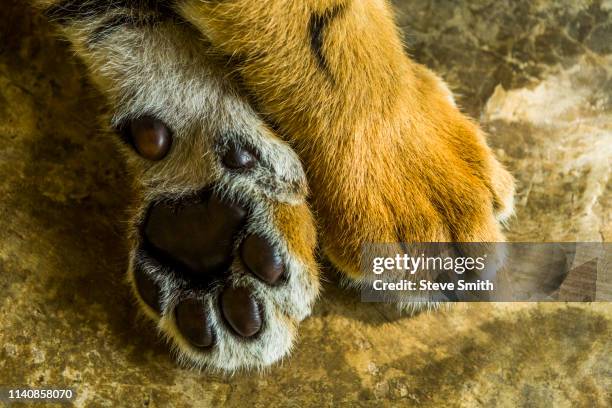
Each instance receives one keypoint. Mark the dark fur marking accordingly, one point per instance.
(66, 11)
(130, 20)
(316, 29)
(69, 11)
(123, 13)
(110, 25)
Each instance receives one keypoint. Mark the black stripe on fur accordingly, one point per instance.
(316, 29)
(71, 11)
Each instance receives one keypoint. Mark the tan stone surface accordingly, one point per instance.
(67, 318)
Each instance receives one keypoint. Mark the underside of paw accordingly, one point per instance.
(213, 267)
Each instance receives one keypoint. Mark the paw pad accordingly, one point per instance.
(193, 323)
(148, 290)
(261, 259)
(150, 137)
(219, 274)
(195, 239)
(239, 158)
(241, 311)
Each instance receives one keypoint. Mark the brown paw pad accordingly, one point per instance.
(197, 241)
(198, 234)
(150, 137)
(239, 158)
(148, 290)
(241, 311)
(195, 238)
(192, 322)
(261, 259)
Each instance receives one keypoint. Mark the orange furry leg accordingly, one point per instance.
(388, 155)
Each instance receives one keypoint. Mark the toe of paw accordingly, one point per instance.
(150, 137)
(262, 259)
(148, 289)
(193, 323)
(241, 311)
(239, 158)
(271, 166)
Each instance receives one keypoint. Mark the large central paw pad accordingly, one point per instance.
(219, 268)
(196, 236)
(197, 239)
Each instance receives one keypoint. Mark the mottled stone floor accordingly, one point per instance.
(538, 74)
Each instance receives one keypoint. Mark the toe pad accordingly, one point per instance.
(241, 311)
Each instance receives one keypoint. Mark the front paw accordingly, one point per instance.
(430, 179)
